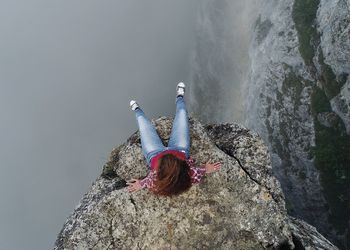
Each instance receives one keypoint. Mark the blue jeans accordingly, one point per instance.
(179, 137)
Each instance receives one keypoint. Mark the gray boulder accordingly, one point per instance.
(239, 207)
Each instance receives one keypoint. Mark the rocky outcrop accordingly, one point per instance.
(240, 207)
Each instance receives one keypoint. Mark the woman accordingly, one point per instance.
(172, 170)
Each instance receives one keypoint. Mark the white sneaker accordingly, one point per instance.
(180, 89)
(133, 105)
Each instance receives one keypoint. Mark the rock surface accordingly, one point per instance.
(280, 111)
(333, 18)
(298, 100)
(239, 207)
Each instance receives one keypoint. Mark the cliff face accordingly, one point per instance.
(298, 100)
(239, 207)
(295, 91)
(278, 107)
(333, 26)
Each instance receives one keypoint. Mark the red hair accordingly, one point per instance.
(173, 176)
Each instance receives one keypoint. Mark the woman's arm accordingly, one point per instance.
(147, 182)
(136, 185)
(212, 167)
(197, 173)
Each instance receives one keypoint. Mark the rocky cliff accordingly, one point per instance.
(293, 88)
(278, 107)
(298, 100)
(240, 207)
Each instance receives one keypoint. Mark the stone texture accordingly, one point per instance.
(239, 207)
(307, 237)
(328, 119)
(281, 115)
(333, 19)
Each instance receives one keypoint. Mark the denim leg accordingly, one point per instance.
(180, 133)
(150, 140)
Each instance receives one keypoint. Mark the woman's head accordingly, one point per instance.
(173, 176)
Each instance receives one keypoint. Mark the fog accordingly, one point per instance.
(220, 61)
(67, 72)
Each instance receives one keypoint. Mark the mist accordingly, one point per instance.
(220, 59)
(67, 72)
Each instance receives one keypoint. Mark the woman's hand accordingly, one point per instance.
(134, 185)
(212, 167)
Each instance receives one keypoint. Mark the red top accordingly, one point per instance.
(196, 173)
(179, 154)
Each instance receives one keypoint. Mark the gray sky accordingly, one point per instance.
(67, 72)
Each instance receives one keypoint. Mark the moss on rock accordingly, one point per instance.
(304, 14)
